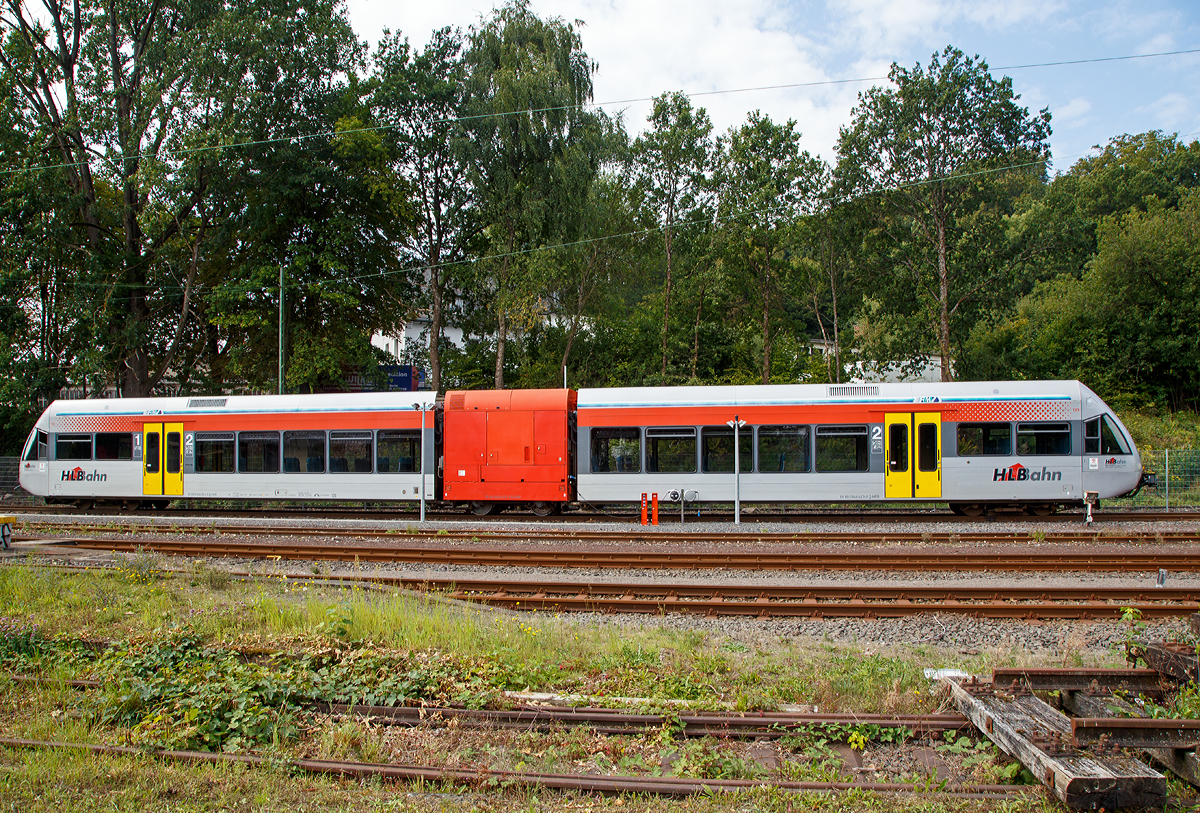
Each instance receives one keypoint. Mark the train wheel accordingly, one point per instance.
(84, 505)
(543, 509)
(972, 510)
(130, 505)
(1043, 510)
(956, 509)
(482, 509)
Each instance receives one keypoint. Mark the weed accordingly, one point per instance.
(1039, 537)
(213, 578)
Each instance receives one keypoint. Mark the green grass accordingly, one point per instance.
(194, 669)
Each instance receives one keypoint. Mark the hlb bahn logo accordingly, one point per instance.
(78, 474)
(1018, 473)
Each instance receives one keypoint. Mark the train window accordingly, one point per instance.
(214, 452)
(671, 449)
(898, 447)
(398, 450)
(114, 446)
(151, 457)
(981, 439)
(1091, 436)
(258, 452)
(43, 445)
(174, 453)
(783, 448)
(350, 451)
(1112, 441)
(73, 447)
(716, 448)
(1044, 438)
(927, 447)
(617, 450)
(843, 448)
(304, 451)
(35, 447)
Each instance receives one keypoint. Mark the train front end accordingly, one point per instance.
(33, 470)
(1112, 465)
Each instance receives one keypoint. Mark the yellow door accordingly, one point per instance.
(152, 458)
(173, 459)
(897, 437)
(927, 474)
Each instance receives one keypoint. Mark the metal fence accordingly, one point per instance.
(1178, 487)
(1178, 473)
(11, 492)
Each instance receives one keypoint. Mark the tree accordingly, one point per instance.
(764, 184)
(528, 80)
(673, 158)
(421, 97)
(926, 150)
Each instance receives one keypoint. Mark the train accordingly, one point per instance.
(990, 446)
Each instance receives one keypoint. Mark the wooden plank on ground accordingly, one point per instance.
(1145, 681)
(1183, 763)
(1177, 661)
(1030, 731)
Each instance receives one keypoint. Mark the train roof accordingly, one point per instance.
(209, 404)
(883, 393)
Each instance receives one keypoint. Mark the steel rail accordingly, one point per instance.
(654, 785)
(822, 560)
(655, 537)
(612, 722)
(867, 514)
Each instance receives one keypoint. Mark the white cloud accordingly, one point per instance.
(1168, 112)
(1073, 113)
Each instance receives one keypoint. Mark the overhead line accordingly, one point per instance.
(599, 105)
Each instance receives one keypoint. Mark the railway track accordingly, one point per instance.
(666, 516)
(1096, 602)
(476, 536)
(1020, 559)
(804, 601)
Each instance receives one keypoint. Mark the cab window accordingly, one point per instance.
(1103, 436)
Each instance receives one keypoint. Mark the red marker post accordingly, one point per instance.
(643, 507)
(654, 501)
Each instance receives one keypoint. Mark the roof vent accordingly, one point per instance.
(456, 401)
(854, 391)
(203, 403)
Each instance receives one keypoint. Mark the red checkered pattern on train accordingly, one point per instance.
(1014, 411)
(100, 423)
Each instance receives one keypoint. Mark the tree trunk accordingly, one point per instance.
(501, 340)
(944, 300)
(666, 295)
(766, 325)
(435, 327)
(696, 333)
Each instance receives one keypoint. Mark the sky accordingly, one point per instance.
(706, 48)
